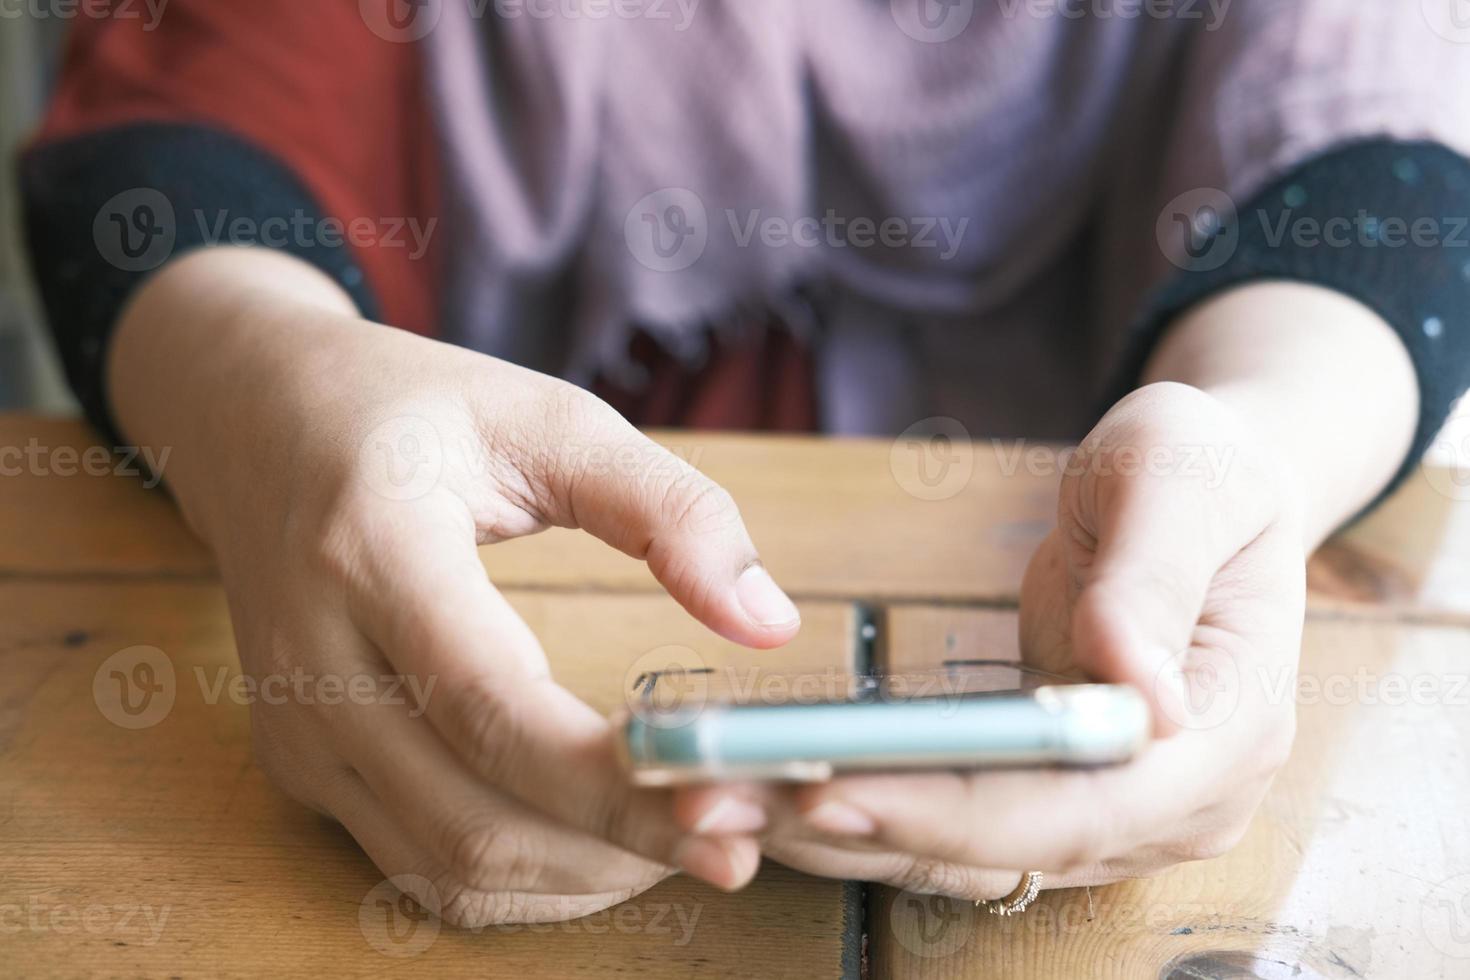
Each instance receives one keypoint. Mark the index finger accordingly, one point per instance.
(423, 598)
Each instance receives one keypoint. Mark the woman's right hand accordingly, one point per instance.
(342, 473)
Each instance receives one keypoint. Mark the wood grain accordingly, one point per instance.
(833, 518)
(164, 851)
(1357, 864)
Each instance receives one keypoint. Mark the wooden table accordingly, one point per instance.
(162, 850)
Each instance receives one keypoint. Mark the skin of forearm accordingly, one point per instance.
(211, 332)
(1322, 379)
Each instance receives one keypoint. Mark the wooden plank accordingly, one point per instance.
(833, 518)
(165, 851)
(1357, 864)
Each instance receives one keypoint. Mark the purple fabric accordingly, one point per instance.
(1021, 160)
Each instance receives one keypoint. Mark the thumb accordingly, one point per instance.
(1144, 587)
(646, 502)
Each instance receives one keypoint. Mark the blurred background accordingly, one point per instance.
(30, 378)
(30, 47)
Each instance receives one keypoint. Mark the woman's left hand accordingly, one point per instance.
(1177, 566)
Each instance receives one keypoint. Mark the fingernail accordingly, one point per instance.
(763, 600)
(722, 863)
(731, 816)
(840, 819)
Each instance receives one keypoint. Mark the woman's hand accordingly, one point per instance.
(1176, 566)
(343, 473)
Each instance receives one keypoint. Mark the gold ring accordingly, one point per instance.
(1018, 900)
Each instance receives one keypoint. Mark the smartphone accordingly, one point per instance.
(700, 726)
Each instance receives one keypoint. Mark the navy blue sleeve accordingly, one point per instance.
(105, 210)
(1385, 222)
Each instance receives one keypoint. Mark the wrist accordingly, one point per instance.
(1322, 380)
(208, 359)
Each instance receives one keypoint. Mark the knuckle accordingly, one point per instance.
(574, 412)
(1210, 844)
(485, 856)
(613, 818)
(695, 503)
(484, 728)
(929, 876)
(1091, 841)
(467, 908)
(283, 766)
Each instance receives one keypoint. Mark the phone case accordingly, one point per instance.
(710, 725)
